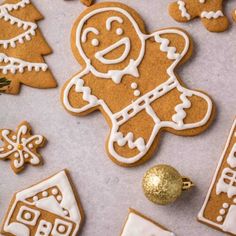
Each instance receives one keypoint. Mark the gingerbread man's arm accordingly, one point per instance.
(175, 43)
(77, 98)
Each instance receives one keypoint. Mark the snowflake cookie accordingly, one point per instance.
(129, 75)
(209, 11)
(47, 208)
(21, 147)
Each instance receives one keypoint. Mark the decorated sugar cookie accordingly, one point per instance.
(22, 47)
(47, 208)
(209, 11)
(21, 147)
(219, 208)
(129, 76)
(139, 225)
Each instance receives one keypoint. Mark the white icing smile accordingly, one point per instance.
(100, 55)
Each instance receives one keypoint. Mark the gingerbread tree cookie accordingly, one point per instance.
(209, 11)
(22, 47)
(47, 208)
(129, 76)
(21, 147)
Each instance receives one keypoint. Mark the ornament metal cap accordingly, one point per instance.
(163, 184)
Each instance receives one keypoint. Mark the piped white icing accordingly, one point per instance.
(111, 19)
(29, 27)
(139, 226)
(143, 102)
(100, 55)
(183, 10)
(212, 14)
(231, 160)
(227, 182)
(229, 222)
(15, 65)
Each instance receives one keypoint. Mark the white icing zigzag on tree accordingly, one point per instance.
(30, 27)
(14, 65)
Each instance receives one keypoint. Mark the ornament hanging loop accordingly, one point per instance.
(187, 183)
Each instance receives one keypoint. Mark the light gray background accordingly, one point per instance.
(107, 190)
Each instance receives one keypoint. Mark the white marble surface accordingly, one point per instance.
(106, 190)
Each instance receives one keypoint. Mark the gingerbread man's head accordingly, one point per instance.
(109, 41)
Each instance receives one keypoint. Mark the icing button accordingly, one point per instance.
(225, 205)
(134, 85)
(137, 93)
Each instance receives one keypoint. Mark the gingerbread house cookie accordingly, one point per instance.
(219, 208)
(47, 208)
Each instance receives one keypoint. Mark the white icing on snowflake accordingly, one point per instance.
(20, 147)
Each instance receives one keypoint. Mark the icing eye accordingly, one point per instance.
(95, 42)
(119, 31)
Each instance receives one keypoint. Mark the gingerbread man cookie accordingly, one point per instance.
(21, 147)
(47, 208)
(129, 76)
(209, 11)
(22, 47)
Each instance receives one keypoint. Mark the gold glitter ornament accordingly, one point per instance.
(162, 184)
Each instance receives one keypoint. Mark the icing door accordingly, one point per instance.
(230, 220)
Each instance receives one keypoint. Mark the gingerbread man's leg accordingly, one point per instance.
(130, 141)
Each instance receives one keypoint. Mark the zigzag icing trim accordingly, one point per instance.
(211, 14)
(183, 10)
(17, 65)
(86, 91)
(129, 138)
(30, 27)
(180, 113)
(164, 47)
